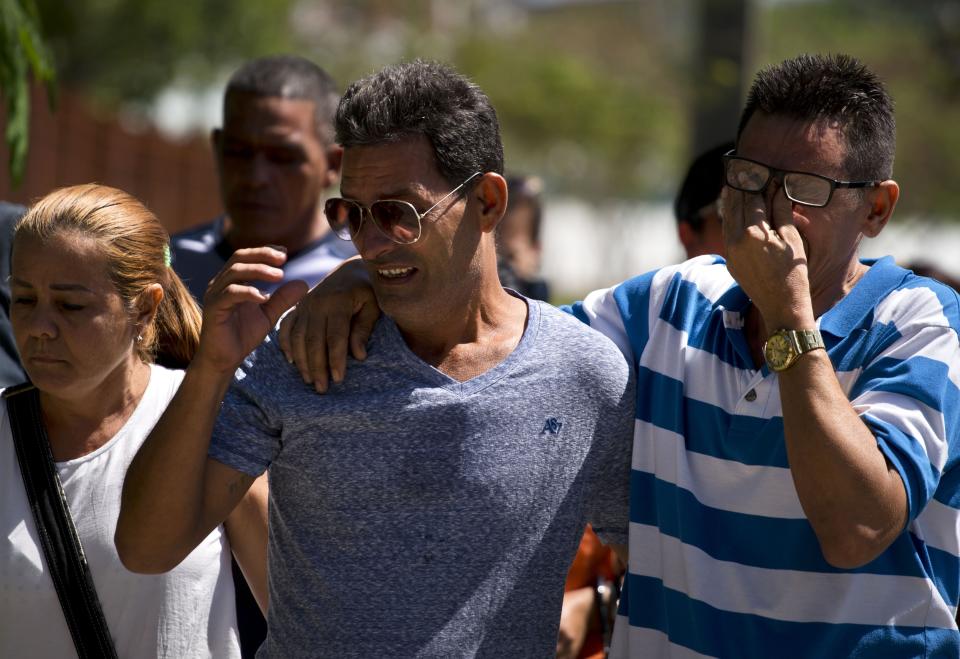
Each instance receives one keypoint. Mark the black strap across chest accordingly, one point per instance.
(58, 535)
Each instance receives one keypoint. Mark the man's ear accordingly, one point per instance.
(882, 202)
(334, 159)
(687, 236)
(490, 193)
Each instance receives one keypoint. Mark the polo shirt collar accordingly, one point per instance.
(882, 277)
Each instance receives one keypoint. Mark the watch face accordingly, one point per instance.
(778, 352)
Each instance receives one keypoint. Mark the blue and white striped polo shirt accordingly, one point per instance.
(723, 562)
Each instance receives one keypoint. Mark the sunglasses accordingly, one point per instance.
(397, 220)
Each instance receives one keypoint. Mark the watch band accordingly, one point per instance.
(806, 340)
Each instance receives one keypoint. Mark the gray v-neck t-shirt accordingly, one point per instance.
(414, 515)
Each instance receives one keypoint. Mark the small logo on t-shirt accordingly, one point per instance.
(552, 426)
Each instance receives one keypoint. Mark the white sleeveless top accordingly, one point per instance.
(188, 612)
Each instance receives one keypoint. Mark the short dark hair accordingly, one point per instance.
(289, 76)
(835, 88)
(424, 98)
(701, 186)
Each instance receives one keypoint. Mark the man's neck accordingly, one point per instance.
(826, 297)
(467, 340)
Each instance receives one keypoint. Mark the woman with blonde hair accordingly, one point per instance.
(102, 324)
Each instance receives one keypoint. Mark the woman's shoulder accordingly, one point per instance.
(164, 383)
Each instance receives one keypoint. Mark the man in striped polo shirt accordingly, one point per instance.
(795, 485)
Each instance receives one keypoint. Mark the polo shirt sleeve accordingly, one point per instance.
(907, 392)
(621, 313)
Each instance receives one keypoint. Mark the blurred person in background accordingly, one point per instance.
(276, 157)
(589, 600)
(518, 238)
(10, 370)
(695, 207)
(103, 325)
(925, 269)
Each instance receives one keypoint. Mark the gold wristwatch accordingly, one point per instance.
(783, 349)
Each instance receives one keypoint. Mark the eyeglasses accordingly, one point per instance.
(397, 220)
(800, 187)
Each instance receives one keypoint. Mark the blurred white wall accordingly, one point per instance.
(587, 248)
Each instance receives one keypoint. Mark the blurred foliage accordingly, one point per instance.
(915, 48)
(571, 86)
(127, 50)
(593, 96)
(22, 51)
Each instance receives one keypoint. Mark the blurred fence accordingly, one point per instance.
(74, 144)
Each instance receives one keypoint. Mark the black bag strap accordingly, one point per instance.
(58, 536)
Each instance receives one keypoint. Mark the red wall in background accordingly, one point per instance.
(175, 179)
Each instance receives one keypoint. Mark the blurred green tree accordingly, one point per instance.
(22, 51)
(571, 84)
(127, 50)
(595, 96)
(915, 48)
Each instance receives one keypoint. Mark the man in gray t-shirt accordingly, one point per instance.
(430, 504)
(428, 516)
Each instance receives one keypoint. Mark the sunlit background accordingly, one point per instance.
(607, 101)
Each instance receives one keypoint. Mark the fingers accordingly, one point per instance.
(307, 347)
(323, 331)
(219, 303)
(363, 324)
(740, 210)
(335, 355)
(729, 208)
(306, 332)
(781, 210)
(283, 334)
(236, 314)
(784, 226)
(337, 315)
(282, 299)
(275, 256)
(246, 265)
(316, 339)
(755, 211)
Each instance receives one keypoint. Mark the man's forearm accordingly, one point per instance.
(163, 514)
(854, 499)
